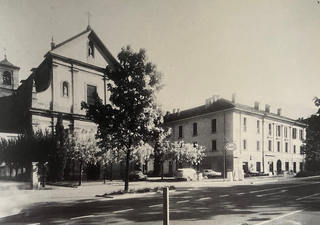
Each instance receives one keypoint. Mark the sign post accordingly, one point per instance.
(229, 146)
(165, 206)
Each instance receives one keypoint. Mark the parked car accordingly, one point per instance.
(210, 173)
(137, 175)
(186, 174)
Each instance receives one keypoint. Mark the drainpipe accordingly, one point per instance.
(224, 141)
(262, 142)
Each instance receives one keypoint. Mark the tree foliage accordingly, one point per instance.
(188, 152)
(311, 147)
(132, 118)
(58, 155)
(19, 152)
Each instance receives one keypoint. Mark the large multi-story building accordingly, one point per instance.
(238, 137)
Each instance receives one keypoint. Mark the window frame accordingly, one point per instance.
(87, 93)
(180, 134)
(195, 129)
(7, 78)
(294, 133)
(214, 145)
(213, 125)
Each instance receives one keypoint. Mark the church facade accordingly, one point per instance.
(70, 72)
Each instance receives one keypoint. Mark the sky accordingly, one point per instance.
(266, 51)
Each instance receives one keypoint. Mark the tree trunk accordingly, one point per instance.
(111, 172)
(105, 173)
(126, 185)
(162, 171)
(80, 178)
(43, 175)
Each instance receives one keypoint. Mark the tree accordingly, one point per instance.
(132, 118)
(58, 155)
(26, 148)
(83, 150)
(142, 153)
(189, 153)
(311, 147)
(164, 153)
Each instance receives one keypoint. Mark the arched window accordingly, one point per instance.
(65, 89)
(7, 78)
(91, 49)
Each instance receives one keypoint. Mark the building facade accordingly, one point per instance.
(69, 74)
(240, 138)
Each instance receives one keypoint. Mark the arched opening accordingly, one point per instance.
(279, 166)
(7, 78)
(65, 89)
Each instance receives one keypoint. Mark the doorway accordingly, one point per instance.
(279, 166)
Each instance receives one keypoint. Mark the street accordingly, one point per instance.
(286, 201)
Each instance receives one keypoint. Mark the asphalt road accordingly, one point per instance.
(293, 201)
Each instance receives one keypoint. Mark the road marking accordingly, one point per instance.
(206, 198)
(279, 217)
(80, 217)
(298, 199)
(183, 201)
(125, 210)
(151, 206)
(272, 189)
(222, 196)
(274, 193)
(241, 193)
(33, 223)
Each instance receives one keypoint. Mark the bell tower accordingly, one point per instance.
(9, 78)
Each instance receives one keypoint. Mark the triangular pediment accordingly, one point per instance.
(85, 47)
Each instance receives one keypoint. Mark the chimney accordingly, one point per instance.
(178, 112)
(207, 103)
(234, 98)
(174, 111)
(256, 105)
(214, 98)
(279, 112)
(267, 108)
(167, 113)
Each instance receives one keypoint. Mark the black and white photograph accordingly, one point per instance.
(160, 112)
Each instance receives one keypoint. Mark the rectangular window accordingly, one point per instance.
(294, 133)
(244, 144)
(195, 129)
(278, 146)
(301, 134)
(258, 145)
(294, 149)
(278, 130)
(213, 125)
(286, 132)
(270, 129)
(214, 145)
(244, 124)
(180, 131)
(300, 149)
(269, 145)
(286, 146)
(258, 126)
(90, 90)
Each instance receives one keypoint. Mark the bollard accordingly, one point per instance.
(34, 176)
(165, 206)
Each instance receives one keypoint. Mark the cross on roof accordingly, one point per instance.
(88, 14)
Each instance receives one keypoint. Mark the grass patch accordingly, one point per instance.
(140, 190)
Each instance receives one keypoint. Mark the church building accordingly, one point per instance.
(70, 72)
